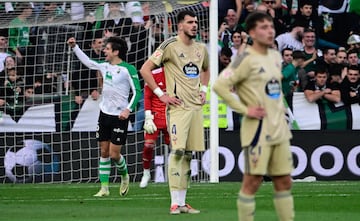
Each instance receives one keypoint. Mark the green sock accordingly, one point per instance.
(121, 166)
(104, 171)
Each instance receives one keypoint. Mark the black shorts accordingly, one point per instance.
(111, 128)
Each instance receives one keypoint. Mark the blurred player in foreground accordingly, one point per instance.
(265, 136)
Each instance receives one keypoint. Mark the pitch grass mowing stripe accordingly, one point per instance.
(318, 201)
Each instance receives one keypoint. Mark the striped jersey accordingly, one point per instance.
(118, 80)
(183, 65)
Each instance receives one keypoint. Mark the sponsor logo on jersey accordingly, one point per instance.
(273, 89)
(191, 70)
(182, 55)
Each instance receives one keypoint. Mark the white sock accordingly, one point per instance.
(174, 197)
(147, 172)
(182, 197)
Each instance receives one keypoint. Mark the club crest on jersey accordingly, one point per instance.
(273, 89)
(191, 70)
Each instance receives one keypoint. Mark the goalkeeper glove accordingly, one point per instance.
(149, 125)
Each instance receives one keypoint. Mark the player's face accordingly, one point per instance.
(109, 53)
(189, 26)
(263, 33)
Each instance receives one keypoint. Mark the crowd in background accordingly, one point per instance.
(318, 40)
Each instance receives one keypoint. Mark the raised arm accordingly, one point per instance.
(82, 56)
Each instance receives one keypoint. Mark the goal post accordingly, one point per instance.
(47, 131)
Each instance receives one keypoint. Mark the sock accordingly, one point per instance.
(246, 207)
(121, 166)
(182, 197)
(147, 154)
(104, 171)
(174, 194)
(174, 171)
(284, 205)
(185, 170)
(147, 172)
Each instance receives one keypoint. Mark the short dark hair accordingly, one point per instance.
(118, 44)
(354, 67)
(308, 29)
(285, 49)
(297, 54)
(254, 17)
(181, 15)
(353, 51)
(226, 51)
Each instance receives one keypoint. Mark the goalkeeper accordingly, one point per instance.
(155, 121)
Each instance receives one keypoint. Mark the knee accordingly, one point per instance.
(104, 153)
(178, 154)
(282, 183)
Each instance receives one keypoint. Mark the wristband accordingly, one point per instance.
(158, 92)
(204, 89)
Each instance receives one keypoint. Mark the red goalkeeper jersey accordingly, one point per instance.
(151, 101)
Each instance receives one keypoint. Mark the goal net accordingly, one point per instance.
(49, 112)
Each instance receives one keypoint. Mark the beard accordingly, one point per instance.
(190, 36)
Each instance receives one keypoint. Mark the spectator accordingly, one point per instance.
(224, 6)
(138, 37)
(320, 89)
(350, 86)
(290, 80)
(3, 47)
(293, 38)
(352, 57)
(227, 26)
(287, 56)
(13, 91)
(224, 58)
(114, 20)
(341, 57)
(19, 35)
(328, 58)
(353, 41)
(239, 41)
(86, 81)
(309, 66)
(335, 73)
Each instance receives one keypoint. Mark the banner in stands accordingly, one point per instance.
(73, 157)
(59, 117)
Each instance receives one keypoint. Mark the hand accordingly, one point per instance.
(71, 42)
(327, 91)
(124, 114)
(95, 94)
(202, 97)
(256, 112)
(170, 100)
(149, 125)
(78, 100)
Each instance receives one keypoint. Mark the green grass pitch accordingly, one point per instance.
(316, 201)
